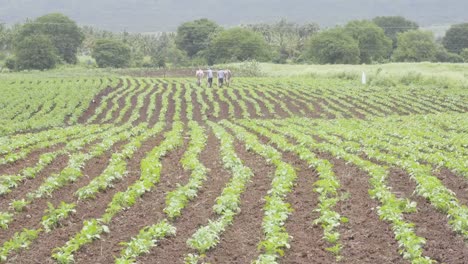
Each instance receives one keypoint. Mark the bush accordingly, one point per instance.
(111, 53)
(464, 55)
(36, 52)
(10, 63)
(333, 46)
(442, 55)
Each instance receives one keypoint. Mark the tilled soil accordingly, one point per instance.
(442, 244)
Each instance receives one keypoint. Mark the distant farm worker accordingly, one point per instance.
(199, 75)
(227, 77)
(210, 77)
(220, 78)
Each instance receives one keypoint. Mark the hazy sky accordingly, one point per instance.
(166, 15)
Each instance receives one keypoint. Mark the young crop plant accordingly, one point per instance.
(276, 209)
(5, 219)
(92, 230)
(117, 168)
(327, 186)
(144, 241)
(391, 209)
(177, 200)
(150, 176)
(228, 204)
(53, 216)
(18, 242)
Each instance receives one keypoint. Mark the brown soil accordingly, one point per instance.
(265, 112)
(239, 243)
(307, 245)
(85, 209)
(147, 210)
(184, 104)
(197, 114)
(224, 113)
(250, 107)
(456, 183)
(143, 111)
(154, 117)
(365, 239)
(197, 212)
(30, 160)
(233, 101)
(442, 244)
(279, 112)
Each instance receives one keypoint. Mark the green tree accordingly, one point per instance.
(237, 44)
(464, 55)
(286, 38)
(415, 46)
(35, 52)
(456, 38)
(111, 53)
(333, 46)
(392, 25)
(442, 55)
(374, 46)
(195, 36)
(65, 35)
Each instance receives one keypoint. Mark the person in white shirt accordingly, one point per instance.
(220, 78)
(227, 77)
(199, 75)
(210, 77)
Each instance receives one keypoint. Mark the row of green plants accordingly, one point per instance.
(391, 209)
(428, 185)
(327, 186)
(41, 105)
(52, 218)
(277, 210)
(117, 168)
(227, 204)
(9, 182)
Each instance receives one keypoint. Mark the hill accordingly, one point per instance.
(165, 15)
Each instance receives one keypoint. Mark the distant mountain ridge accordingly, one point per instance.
(166, 15)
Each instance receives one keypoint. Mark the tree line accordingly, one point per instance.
(55, 39)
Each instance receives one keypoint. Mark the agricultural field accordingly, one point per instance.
(269, 170)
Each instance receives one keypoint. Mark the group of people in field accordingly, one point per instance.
(224, 77)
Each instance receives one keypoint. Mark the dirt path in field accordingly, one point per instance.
(122, 103)
(197, 112)
(456, 183)
(291, 103)
(239, 243)
(143, 111)
(89, 208)
(154, 117)
(322, 104)
(110, 104)
(264, 109)
(31, 184)
(197, 212)
(147, 211)
(442, 244)
(30, 160)
(224, 108)
(33, 213)
(170, 114)
(233, 101)
(250, 107)
(280, 113)
(365, 239)
(97, 100)
(307, 245)
(184, 105)
(134, 101)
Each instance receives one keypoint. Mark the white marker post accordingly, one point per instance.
(363, 78)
